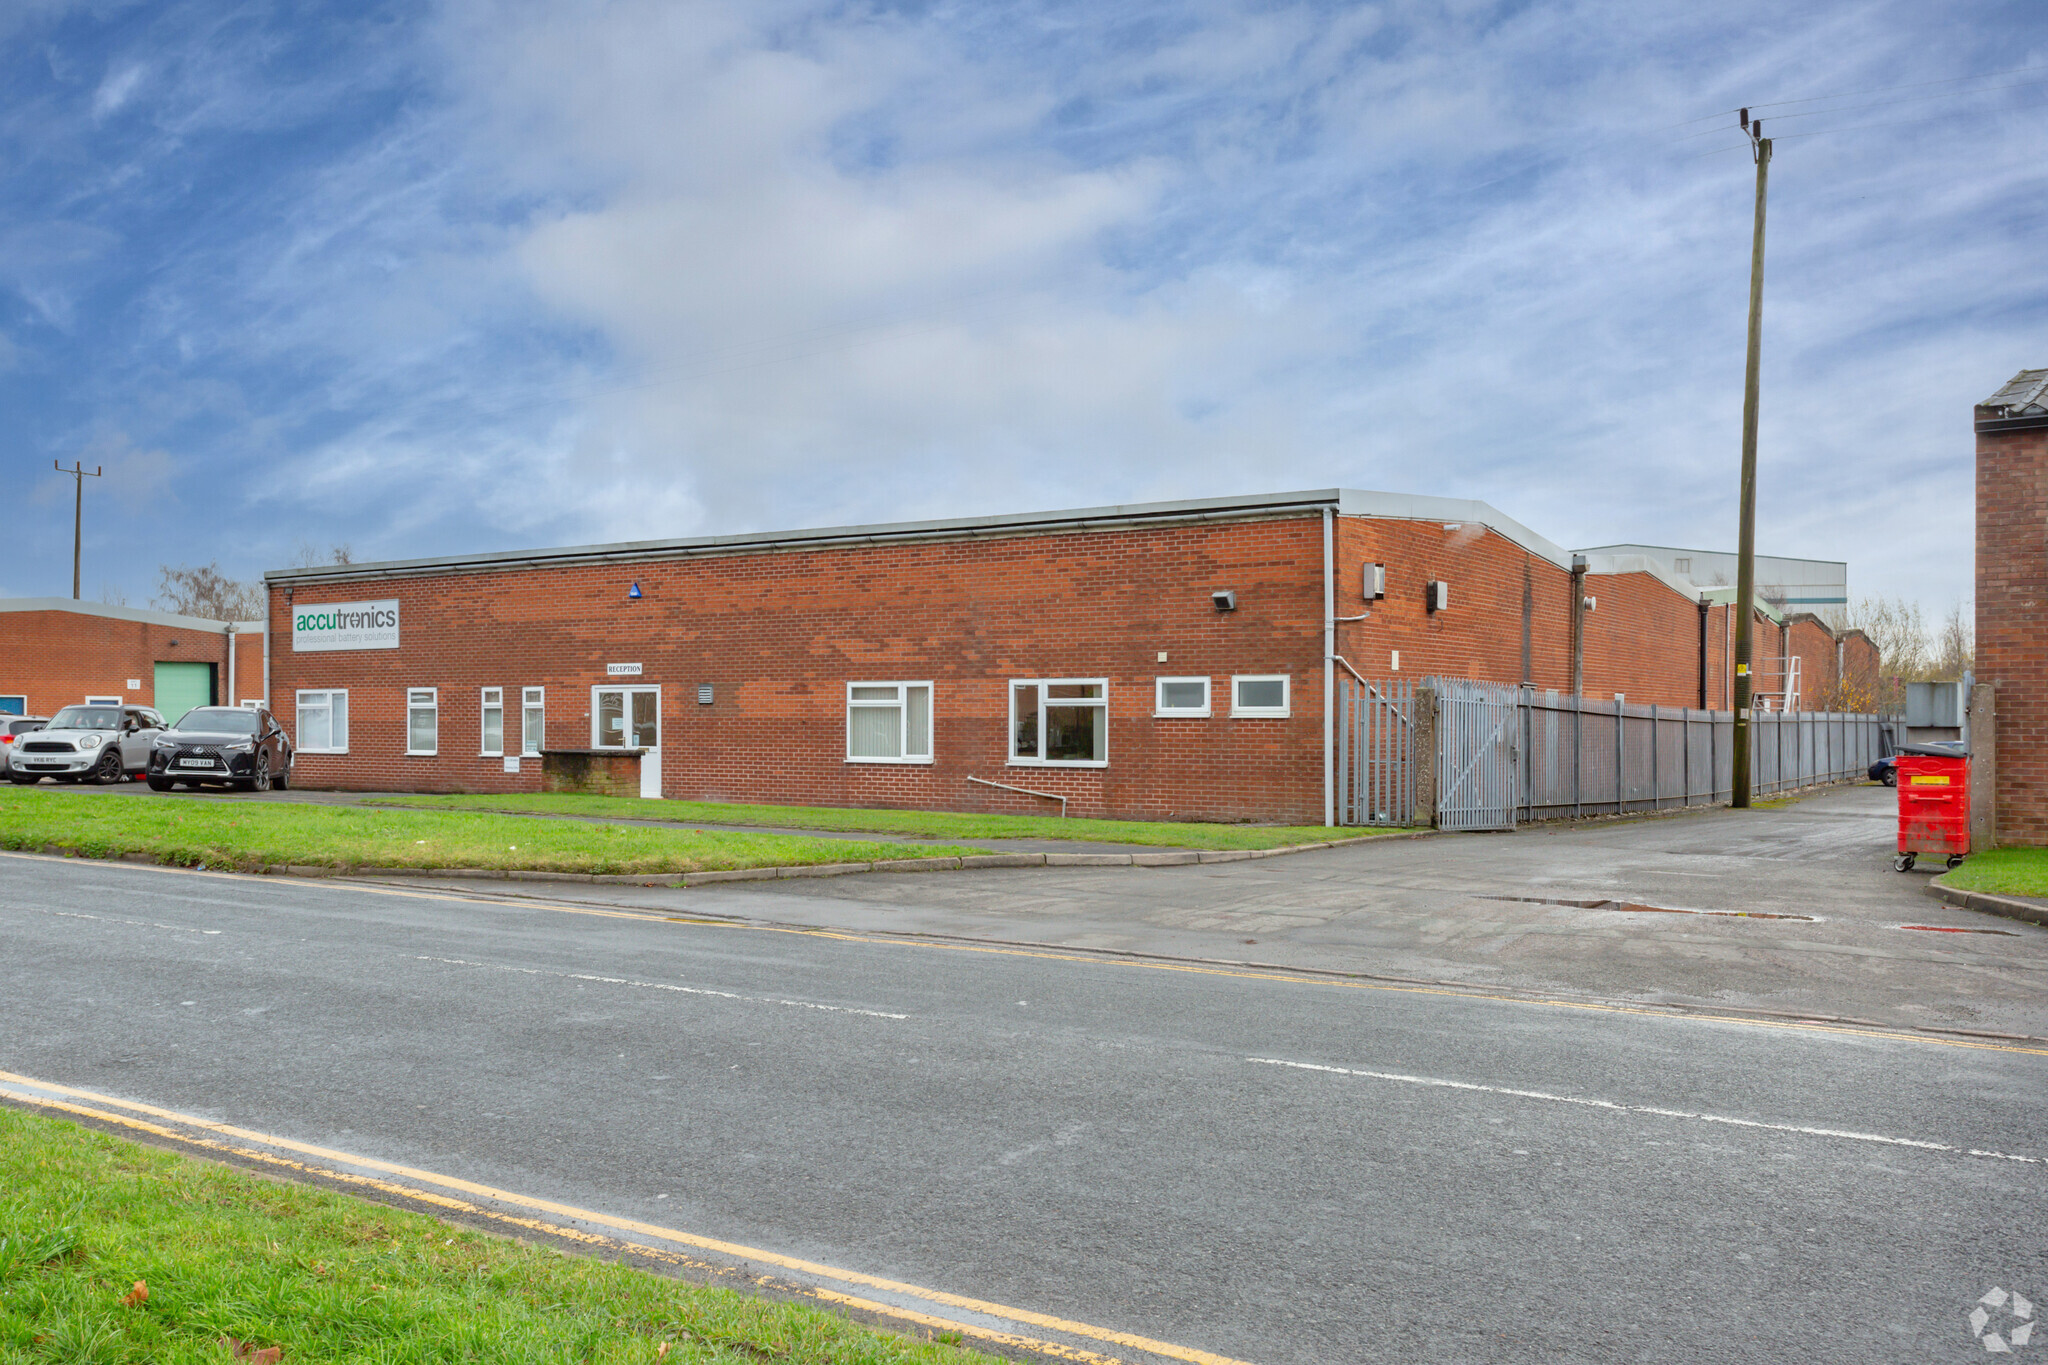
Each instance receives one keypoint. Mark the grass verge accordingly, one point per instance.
(921, 823)
(252, 834)
(2003, 872)
(327, 1277)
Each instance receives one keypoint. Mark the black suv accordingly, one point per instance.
(237, 745)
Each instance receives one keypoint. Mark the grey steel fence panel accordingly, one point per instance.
(1376, 752)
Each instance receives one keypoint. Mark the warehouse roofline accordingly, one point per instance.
(1344, 501)
(142, 614)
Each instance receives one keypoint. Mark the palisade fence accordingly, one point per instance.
(1467, 755)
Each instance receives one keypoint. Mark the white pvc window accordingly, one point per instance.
(1060, 721)
(1259, 694)
(13, 704)
(102, 701)
(422, 720)
(1188, 697)
(323, 722)
(492, 705)
(889, 722)
(533, 719)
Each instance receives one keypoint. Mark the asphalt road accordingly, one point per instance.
(1131, 1145)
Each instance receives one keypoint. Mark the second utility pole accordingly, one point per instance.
(77, 514)
(1745, 552)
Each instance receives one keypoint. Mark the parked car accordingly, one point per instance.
(237, 745)
(11, 727)
(1886, 769)
(104, 743)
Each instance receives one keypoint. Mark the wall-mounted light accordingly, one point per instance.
(1589, 602)
(1225, 600)
(1438, 596)
(1375, 584)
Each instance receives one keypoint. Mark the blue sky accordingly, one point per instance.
(436, 278)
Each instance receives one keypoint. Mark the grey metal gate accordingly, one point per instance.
(1479, 729)
(1375, 752)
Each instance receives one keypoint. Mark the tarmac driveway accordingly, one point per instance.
(1494, 910)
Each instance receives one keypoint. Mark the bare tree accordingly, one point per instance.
(112, 595)
(203, 590)
(308, 556)
(1955, 646)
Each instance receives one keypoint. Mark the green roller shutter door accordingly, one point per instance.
(180, 687)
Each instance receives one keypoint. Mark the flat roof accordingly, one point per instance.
(1344, 501)
(142, 614)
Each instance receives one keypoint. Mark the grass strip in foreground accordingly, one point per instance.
(918, 823)
(2002, 872)
(327, 1277)
(252, 834)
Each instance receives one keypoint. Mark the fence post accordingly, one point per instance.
(1620, 773)
(1578, 754)
(1656, 792)
(1426, 750)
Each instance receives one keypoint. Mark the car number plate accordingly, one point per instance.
(195, 763)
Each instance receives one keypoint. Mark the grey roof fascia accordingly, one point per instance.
(1423, 507)
(1091, 518)
(1627, 546)
(143, 615)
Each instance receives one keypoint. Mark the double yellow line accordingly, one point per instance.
(541, 1215)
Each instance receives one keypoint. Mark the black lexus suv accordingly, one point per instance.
(236, 745)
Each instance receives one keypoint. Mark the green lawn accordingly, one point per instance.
(327, 1277)
(2003, 872)
(251, 834)
(925, 824)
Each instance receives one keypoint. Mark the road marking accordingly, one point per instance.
(1611, 1106)
(1112, 960)
(226, 1138)
(109, 919)
(663, 986)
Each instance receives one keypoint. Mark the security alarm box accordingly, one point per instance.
(1375, 582)
(1438, 596)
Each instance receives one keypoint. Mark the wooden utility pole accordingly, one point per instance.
(77, 471)
(1745, 552)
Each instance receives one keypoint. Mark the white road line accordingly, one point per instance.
(664, 986)
(109, 919)
(1612, 1107)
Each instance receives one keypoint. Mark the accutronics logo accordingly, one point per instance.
(336, 619)
(320, 626)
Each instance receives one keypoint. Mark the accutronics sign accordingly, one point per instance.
(344, 625)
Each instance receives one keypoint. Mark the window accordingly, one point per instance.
(1060, 720)
(13, 704)
(889, 722)
(1681, 564)
(1257, 694)
(323, 722)
(1180, 697)
(533, 719)
(102, 701)
(422, 720)
(493, 707)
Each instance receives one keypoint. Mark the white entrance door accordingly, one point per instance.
(630, 718)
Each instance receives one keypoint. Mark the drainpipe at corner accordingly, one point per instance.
(231, 663)
(1329, 678)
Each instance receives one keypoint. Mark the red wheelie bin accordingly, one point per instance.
(1934, 806)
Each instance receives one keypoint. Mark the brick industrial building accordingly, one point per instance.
(1168, 660)
(55, 651)
(2012, 602)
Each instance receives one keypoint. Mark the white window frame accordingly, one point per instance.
(1161, 709)
(1280, 712)
(532, 699)
(422, 699)
(327, 694)
(489, 699)
(901, 704)
(1010, 733)
(103, 701)
(21, 697)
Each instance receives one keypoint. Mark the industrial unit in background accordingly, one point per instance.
(1175, 660)
(57, 652)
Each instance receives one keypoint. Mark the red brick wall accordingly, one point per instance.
(59, 657)
(780, 634)
(1808, 638)
(2012, 621)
